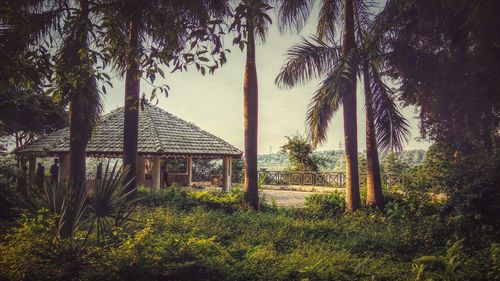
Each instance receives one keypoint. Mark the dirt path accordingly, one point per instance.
(289, 198)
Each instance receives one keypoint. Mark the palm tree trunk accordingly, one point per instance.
(375, 197)
(353, 200)
(131, 109)
(79, 133)
(250, 108)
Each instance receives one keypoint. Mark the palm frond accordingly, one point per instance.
(391, 126)
(76, 78)
(293, 14)
(308, 59)
(328, 99)
(363, 13)
(218, 8)
(329, 17)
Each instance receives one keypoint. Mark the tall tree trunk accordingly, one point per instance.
(353, 200)
(250, 108)
(375, 197)
(78, 135)
(131, 109)
(79, 131)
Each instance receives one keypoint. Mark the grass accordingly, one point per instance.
(206, 235)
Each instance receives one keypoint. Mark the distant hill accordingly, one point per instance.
(278, 161)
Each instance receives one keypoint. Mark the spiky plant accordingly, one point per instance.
(105, 207)
(109, 205)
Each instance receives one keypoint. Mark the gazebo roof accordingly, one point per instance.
(160, 133)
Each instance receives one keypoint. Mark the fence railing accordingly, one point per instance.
(327, 179)
(302, 178)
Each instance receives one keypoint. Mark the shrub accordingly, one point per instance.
(183, 199)
(457, 264)
(29, 252)
(10, 199)
(155, 253)
(328, 203)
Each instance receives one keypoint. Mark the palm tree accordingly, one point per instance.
(132, 92)
(384, 122)
(77, 84)
(80, 92)
(74, 77)
(386, 128)
(163, 26)
(317, 58)
(339, 86)
(251, 19)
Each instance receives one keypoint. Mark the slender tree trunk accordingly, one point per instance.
(79, 133)
(78, 142)
(131, 110)
(375, 197)
(79, 127)
(250, 108)
(353, 200)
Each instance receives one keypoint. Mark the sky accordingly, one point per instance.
(215, 102)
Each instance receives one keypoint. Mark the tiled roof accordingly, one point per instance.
(159, 133)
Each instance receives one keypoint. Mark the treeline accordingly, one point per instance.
(335, 160)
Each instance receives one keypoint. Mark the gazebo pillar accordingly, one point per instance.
(64, 169)
(226, 173)
(156, 172)
(190, 170)
(31, 169)
(141, 169)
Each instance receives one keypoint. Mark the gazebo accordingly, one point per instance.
(161, 136)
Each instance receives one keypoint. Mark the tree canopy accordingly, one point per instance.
(444, 56)
(301, 154)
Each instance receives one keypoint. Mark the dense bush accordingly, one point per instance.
(329, 203)
(187, 199)
(9, 198)
(457, 264)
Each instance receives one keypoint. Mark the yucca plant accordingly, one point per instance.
(59, 200)
(109, 205)
(105, 207)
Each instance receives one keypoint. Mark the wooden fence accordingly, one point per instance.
(327, 179)
(332, 179)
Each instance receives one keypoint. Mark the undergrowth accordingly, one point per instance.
(207, 235)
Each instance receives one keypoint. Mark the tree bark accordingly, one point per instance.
(250, 108)
(78, 142)
(375, 197)
(79, 133)
(353, 200)
(132, 98)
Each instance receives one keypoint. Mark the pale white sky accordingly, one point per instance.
(215, 102)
